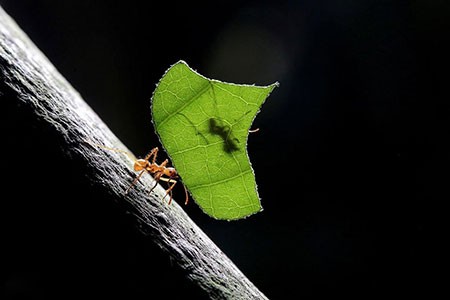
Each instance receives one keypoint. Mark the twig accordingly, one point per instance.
(28, 75)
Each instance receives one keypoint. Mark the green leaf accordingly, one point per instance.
(203, 125)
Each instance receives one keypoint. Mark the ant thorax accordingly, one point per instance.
(140, 164)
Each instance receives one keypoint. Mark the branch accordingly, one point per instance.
(28, 75)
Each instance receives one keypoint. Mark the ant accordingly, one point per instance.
(143, 165)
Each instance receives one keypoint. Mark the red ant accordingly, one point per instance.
(157, 171)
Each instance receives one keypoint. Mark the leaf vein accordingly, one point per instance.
(213, 183)
(189, 101)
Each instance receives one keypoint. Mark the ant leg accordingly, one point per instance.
(134, 181)
(153, 153)
(157, 177)
(187, 196)
(171, 197)
(169, 190)
(164, 163)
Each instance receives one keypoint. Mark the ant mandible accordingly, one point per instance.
(148, 164)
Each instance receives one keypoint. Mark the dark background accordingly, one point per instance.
(351, 160)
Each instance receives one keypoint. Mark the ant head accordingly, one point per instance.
(171, 172)
(140, 164)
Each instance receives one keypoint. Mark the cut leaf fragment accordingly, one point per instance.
(203, 125)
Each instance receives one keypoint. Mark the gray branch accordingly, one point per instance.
(28, 75)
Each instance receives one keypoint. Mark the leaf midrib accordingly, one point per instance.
(187, 103)
(213, 183)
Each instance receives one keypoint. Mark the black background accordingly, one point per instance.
(351, 159)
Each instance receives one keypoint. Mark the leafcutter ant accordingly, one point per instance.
(158, 171)
(148, 164)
